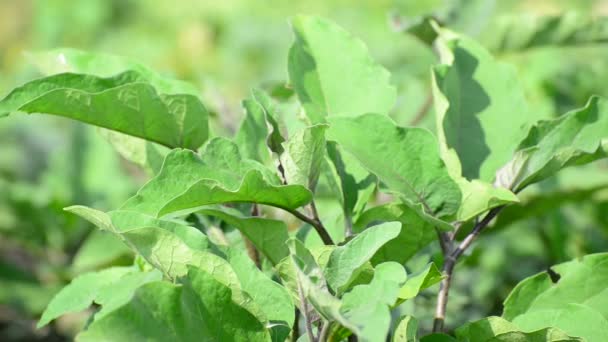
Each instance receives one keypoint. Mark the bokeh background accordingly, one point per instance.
(225, 48)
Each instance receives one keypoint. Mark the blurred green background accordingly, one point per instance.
(225, 48)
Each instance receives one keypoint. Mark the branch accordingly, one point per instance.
(307, 322)
(450, 262)
(315, 222)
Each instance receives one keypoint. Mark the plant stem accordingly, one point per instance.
(426, 106)
(316, 223)
(450, 258)
(324, 332)
(304, 311)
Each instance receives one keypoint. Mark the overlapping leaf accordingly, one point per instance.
(405, 159)
(90, 287)
(578, 137)
(333, 73)
(126, 103)
(481, 111)
(496, 329)
(560, 301)
(268, 236)
(304, 153)
(219, 175)
(200, 308)
(346, 261)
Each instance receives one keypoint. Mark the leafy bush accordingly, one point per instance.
(229, 241)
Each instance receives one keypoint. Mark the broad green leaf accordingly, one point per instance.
(406, 330)
(125, 103)
(333, 73)
(274, 140)
(496, 329)
(105, 65)
(481, 110)
(346, 261)
(577, 137)
(437, 337)
(80, 293)
(111, 288)
(304, 153)
(355, 185)
(219, 175)
(420, 281)
(540, 301)
(168, 246)
(368, 306)
(405, 159)
(268, 236)
(524, 31)
(272, 298)
(200, 308)
(415, 233)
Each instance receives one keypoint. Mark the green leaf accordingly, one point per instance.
(481, 110)
(125, 103)
(304, 153)
(99, 249)
(333, 73)
(540, 301)
(219, 175)
(272, 298)
(346, 261)
(577, 137)
(368, 306)
(146, 154)
(268, 236)
(200, 308)
(94, 287)
(415, 234)
(168, 246)
(496, 329)
(405, 159)
(274, 140)
(406, 330)
(420, 281)
(354, 184)
(105, 65)
(479, 197)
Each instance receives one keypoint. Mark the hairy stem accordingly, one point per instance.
(304, 311)
(451, 256)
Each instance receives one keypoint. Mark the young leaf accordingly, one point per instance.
(333, 73)
(481, 110)
(558, 299)
(345, 261)
(420, 281)
(498, 329)
(200, 308)
(368, 305)
(220, 175)
(415, 233)
(268, 236)
(125, 103)
(304, 153)
(405, 159)
(252, 133)
(578, 137)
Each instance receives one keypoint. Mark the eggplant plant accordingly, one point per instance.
(232, 236)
